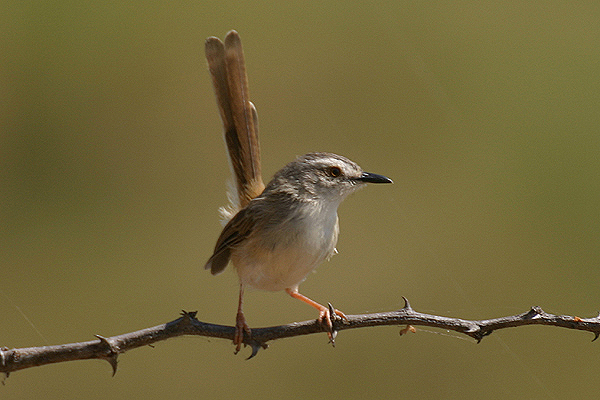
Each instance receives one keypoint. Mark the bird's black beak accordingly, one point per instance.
(374, 178)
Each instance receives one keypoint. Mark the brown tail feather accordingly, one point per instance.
(228, 70)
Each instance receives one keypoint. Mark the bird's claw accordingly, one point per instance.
(325, 318)
(240, 328)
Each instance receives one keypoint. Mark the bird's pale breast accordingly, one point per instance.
(281, 258)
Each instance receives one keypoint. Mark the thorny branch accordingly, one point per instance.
(109, 348)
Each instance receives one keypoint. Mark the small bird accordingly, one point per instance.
(275, 235)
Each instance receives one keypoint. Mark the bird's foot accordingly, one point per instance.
(240, 328)
(325, 318)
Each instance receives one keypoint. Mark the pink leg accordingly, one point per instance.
(240, 324)
(324, 313)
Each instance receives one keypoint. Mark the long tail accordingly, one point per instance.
(240, 120)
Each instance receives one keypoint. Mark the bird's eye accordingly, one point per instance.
(335, 172)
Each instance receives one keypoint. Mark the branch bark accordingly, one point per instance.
(109, 348)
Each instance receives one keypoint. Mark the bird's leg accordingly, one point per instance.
(240, 324)
(324, 313)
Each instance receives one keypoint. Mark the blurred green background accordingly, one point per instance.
(112, 168)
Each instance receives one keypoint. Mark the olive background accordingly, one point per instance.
(112, 167)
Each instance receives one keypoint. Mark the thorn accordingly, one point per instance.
(113, 363)
(336, 317)
(256, 346)
(105, 341)
(535, 312)
(333, 316)
(478, 334)
(332, 313)
(113, 353)
(189, 314)
(486, 333)
(596, 335)
(187, 318)
(332, 337)
(537, 309)
(407, 306)
(255, 349)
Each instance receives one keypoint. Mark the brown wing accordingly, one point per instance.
(228, 70)
(236, 230)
